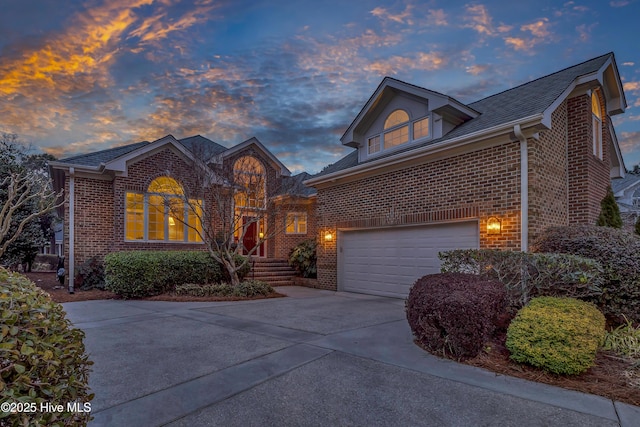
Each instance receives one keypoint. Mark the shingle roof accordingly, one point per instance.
(620, 184)
(293, 185)
(510, 105)
(197, 142)
(103, 156)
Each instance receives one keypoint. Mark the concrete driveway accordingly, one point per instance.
(315, 358)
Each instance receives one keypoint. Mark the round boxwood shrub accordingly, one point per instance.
(619, 253)
(42, 358)
(560, 335)
(454, 314)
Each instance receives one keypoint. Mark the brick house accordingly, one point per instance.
(627, 193)
(429, 173)
(155, 196)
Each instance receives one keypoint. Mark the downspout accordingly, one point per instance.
(524, 189)
(72, 228)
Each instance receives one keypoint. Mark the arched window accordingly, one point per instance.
(596, 114)
(398, 122)
(163, 213)
(250, 183)
(396, 118)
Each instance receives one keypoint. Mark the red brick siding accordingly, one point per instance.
(488, 179)
(588, 175)
(548, 187)
(284, 242)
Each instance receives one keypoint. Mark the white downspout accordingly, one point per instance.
(524, 189)
(72, 228)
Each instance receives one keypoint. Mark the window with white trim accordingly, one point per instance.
(596, 115)
(398, 130)
(296, 223)
(162, 214)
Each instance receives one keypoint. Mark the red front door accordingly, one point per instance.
(250, 239)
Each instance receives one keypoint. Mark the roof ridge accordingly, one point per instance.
(540, 78)
(92, 153)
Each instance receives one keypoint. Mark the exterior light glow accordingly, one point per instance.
(494, 226)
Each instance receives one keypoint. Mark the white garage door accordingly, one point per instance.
(388, 261)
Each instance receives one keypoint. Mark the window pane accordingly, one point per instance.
(134, 222)
(396, 137)
(302, 224)
(165, 185)
(291, 223)
(195, 220)
(421, 128)
(156, 217)
(595, 105)
(176, 219)
(374, 144)
(395, 118)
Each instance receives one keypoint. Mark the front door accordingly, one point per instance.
(250, 239)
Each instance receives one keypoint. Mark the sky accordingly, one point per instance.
(82, 76)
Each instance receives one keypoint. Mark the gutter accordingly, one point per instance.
(524, 189)
(72, 225)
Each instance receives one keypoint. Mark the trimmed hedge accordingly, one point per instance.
(530, 275)
(619, 253)
(248, 288)
(560, 335)
(42, 358)
(454, 314)
(145, 273)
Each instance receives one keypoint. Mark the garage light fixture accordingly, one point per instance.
(328, 236)
(494, 226)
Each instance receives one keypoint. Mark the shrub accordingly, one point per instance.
(454, 314)
(624, 340)
(42, 358)
(145, 273)
(248, 288)
(303, 258)
(609, 211)
(636, 228)
(529, 275)
(619, 253)
(90, 274)
(560, 335)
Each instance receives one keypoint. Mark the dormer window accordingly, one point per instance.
(398, 130)
(596, 115)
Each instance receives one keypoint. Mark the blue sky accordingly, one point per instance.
(80, 76)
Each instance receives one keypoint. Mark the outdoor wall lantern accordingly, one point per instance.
(494, 226)
(328, 236)
(261, 235)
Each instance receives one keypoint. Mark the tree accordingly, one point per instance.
(26, 197)
(233, 207)
(609, 211)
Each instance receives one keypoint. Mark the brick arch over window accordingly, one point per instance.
(162, 213)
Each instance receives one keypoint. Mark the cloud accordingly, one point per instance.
(477, 17)
(538, 29)
(620, 3)
(631, 86)
(421, 61)
(629, 141)
(437, 18)
(584, 31)
(477, 69)
(403, 17)
(628, 64)
(520, 44)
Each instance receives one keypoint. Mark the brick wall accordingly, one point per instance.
(284, 242)
(476, 185)
(548, 186)
(588, 175)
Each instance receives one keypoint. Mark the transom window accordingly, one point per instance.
(596, 114)
(398, 130)
(296, 223)
(250, 183)
(162, 214)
